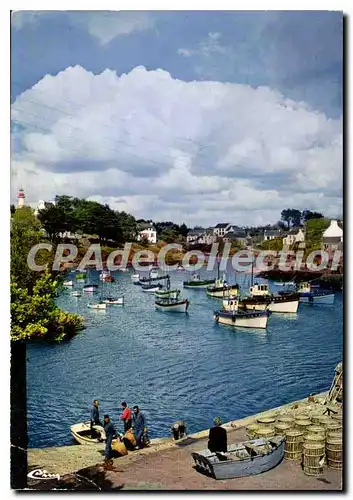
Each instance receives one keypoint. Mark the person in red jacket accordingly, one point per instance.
(126, 416)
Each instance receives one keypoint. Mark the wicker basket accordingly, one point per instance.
(265, 432)
(281, 428)
(333, 427)
(293, 445)
(251, 430)
(314, 439)
(334, 452)
(325, 421)
(286, 419)
(266, 421)
(316, 429)
(313, 459)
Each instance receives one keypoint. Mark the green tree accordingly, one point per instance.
(314, 229)
(308, 214)
(291, 216)
(12, 209)
(54, 221)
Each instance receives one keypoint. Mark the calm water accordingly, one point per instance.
(176, 366)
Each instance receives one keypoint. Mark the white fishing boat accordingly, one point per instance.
(90, 288)
(135, 278)
(151, 288)
(260, 299)
(314, 296)
(165, 294)
(99, 305)
(76, 294)
(172, 305)
(82, 433)
(230, 303)
(68, 283)
(242, 319)
(113, 301)
(221, 289)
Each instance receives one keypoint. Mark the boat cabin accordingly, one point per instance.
(304, 287)
(259, 290)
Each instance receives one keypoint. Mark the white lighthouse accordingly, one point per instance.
(21, 198)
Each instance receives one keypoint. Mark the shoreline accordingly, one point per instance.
(71, 458)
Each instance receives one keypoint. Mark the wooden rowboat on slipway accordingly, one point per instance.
(243, 459)
(83, 435)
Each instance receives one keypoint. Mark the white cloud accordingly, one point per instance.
(208, 47)
(185, 52)
(173, 150)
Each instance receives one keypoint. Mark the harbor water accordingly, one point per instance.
(175, 366)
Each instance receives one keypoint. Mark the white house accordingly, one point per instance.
(271, 234)
(332, 238)
(147, 231)
(294, 236)
(221, 229)
(202, 236)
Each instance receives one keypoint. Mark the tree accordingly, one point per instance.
(314, 229)
(291, 216)
(184, 230)
(308, 214)
(54, 220)
(12, 209)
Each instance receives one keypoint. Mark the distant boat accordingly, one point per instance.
(172, 305)
(243, 459)
(113, 301)
(68, 283)
(221, 289)
(76, 294)
(196, 282)
(90, 288)
(135, 278)
(99, 305)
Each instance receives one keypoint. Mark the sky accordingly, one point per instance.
(190, 116)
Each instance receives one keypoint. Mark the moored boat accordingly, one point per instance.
(243, 459)
(197, 283)
(242, 319)
(90, 288)
(76, 294)
(260, 299)
(164, 294)
(172, 305)
(314, 296)
(221, 289)
(113, 301)
(154, 272)
(99, 305)
(135, 278)
(151, 287)
(82, 433)
(68, 283)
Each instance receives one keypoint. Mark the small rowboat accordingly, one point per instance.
(76, 294)
(68, 283)
(112, 301)
(100, 305)
(83, 435)
(243, 459)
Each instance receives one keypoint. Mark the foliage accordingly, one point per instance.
(291, 216)
(54, 221)
(314, 229)
(35, 316)
(12, 209)
(275, 244)
(308, 214)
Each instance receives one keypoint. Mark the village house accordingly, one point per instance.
(221, 229)
(148, 232)
(201, 236)
(194, 235)
(332, 238)
(271, 234)
(295, 235)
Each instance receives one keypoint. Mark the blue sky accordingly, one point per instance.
(196, 77)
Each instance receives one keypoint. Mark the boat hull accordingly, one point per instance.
(172, 294)
(276, 307)
(198, 284)
(181, 307)
(90, 288)
(117, 302)
(97, 306)
(151, 289)
(241, 321)
(209, 463)
(221, 292)
(82, 433)
(311, 298)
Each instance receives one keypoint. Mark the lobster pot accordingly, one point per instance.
(337, 417)
(286, 420)
(334, 435)
(281, 428)
(264, 432)
(130, 436)
(316, 419)
(313, 459)
(333, 428)
(119, 447)
(293, 445)
(334, 452)
(314, 439)
(302, 425)
(251, 430)
(317, 429)
(325, 421)
(266, 421)
(301, 416)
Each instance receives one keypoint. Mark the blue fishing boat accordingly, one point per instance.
(241, 460)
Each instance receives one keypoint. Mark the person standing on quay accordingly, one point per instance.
(217, 439)
(95, 416)
(110, 433)
(139, 426)
(126, 416)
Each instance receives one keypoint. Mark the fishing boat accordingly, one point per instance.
(113, 301)
(151, 287)
(241, 459)
(308, 294)
(242, 319)
(135, 278)
(230, 303)
(172, 305)
(90, 288)
(221, 289)
(68, 283)
(99, 305)
(76, 294)
(148, 280)
(260, 299)
(82, 433)
(197, 283)
(154, 272)
(165, 294)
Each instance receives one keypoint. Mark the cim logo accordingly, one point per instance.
(42, 474)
